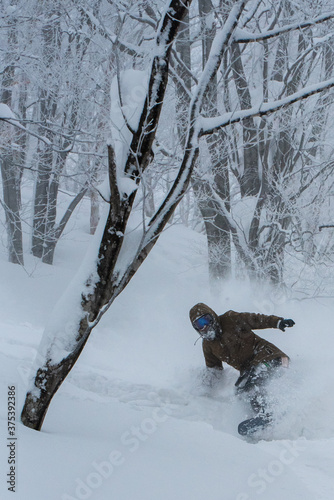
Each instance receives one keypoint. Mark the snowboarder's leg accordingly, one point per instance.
(258, 399)
(253, 384)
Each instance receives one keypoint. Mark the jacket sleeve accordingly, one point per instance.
(211, 360)
(260, 321)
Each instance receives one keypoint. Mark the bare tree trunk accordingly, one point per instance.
(12, 206)
(216, 226)
(12, 159)
(250, 180)
(42, 200)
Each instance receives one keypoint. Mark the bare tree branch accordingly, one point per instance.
(70, 209)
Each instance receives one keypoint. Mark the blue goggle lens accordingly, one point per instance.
(202, 322)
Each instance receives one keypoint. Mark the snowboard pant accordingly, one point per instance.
(253, 382)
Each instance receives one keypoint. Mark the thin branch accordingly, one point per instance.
(140, 19)
(132, 50)
(242, 36)
(308, 184)
(16, 123)
(118, 77)
(183, 65)
(76, 200)
(251, 13)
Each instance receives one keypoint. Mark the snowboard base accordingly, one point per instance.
(252, 425)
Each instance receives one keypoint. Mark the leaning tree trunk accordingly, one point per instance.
(54, 233)
(107, 281)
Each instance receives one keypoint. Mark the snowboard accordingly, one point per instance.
(252, 425)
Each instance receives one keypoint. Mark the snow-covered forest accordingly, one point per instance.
(156, 154)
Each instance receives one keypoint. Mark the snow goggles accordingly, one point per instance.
(203, 322)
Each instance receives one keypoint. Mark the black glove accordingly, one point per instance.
(285, 323)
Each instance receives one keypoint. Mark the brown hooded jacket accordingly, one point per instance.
(235, 342)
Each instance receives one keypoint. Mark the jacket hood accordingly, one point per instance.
(199, 310)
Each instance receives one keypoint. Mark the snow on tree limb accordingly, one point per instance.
(6, 113)
(210, 125)
(243, 36)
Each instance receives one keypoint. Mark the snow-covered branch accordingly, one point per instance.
(209, 125)
(243, 36)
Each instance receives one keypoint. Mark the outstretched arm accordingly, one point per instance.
(261, 321)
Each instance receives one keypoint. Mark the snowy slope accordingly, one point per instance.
(133, 421)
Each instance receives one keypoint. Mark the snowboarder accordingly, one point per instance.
(230, 338)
